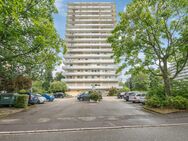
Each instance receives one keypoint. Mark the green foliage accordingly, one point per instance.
(22, 82)
(113, 91)
(58, 76)
(19, 83)
(37, 87)
(155, 102)
(58, 86)
(95, 95)
(177, 102)
(125, 89)
(29, 43)
(180, 88)
(21, 101)
(23, 91)
(157, 91)
(152, 32)
(140, 82)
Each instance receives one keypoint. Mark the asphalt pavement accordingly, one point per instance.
(111, 119)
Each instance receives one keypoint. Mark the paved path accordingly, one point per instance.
(70, 113)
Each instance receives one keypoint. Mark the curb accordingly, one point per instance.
(90, 129)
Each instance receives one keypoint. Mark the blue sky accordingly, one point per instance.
(60, 18)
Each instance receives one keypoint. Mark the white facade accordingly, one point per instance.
(183, 75)
(89, 62)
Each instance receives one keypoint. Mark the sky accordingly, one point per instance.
(60, 18)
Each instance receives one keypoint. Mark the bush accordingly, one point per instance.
(21, 101)
(180, 88)
(179, 102)
(58, 86)
(23, 91)
(154, 102)
(95, 95)
(112, 91)
(157, 91)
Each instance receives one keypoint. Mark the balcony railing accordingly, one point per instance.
(90, 74)
(88, 34)
(90, 50)
(109, 61)
(88, 56)
(90, 80)
(113, 67)
(89, 45)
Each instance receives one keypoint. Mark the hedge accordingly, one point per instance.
(21, 101)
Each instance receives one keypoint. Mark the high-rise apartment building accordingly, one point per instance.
(88, 62)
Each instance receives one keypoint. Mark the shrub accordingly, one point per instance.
(21, 101)
(58, 86)
(112, 91)
(23, 91)
(154, 102)
(180, 88)
(95, 95)
(157, 91)
(178, 102)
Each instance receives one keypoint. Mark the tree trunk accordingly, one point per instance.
(167, 81)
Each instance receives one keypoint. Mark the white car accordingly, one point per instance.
(40, 98)
(143, 98)
(136, 97)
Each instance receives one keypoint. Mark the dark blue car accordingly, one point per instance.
(83, 96)
(49, 97)
(32, 99)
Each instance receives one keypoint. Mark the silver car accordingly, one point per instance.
(136, 97)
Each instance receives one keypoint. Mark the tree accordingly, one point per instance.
(58, 86)
(29, 43)
(151, 34)
(37, 87)
(22, 83)
(59, 76)
(140, 82)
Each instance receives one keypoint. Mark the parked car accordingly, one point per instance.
(121, 95)
(40, 98)
(83, 96)
(126, 96)
(49, 97)
(143, 98)
(32, 99)
(135, 97)
(59, 95)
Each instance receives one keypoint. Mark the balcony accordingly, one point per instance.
(87, 16)
(90, 50)
(86, 39)
(90, 12)
(90, 87)
(109, 61)
(68, 56)
(91, 22)
(88, 25)
(88, 45)
(90, 74)
(89, 30)
(90, 80)
(112, 67)
(105, 35)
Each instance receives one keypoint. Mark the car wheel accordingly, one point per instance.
(81, 99)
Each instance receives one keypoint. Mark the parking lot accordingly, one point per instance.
(69, 113)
